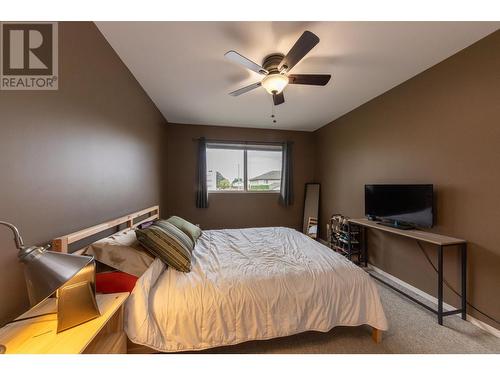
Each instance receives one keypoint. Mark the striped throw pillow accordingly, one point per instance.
(168, 243)
(177, 232)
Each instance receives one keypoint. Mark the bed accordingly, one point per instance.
(247, 284)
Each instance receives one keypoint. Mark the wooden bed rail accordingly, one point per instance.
(61, 243)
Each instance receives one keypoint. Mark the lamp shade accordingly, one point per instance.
(46, 271)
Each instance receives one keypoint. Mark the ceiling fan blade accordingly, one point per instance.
(278, 98)
(301, 47)
(245, 89)
(249, 64)
(309, 79)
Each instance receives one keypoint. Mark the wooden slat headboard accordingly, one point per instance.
(61, 243)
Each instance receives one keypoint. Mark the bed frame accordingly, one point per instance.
(62, 243)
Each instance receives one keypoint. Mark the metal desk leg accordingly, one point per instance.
(440, 285)
(463, 250)
(365, 246)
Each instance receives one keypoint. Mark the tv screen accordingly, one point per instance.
(412, 204)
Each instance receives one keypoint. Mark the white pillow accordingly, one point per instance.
(123, 252)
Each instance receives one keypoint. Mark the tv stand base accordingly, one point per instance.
(442, 243)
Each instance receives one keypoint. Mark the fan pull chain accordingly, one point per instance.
(272, 112)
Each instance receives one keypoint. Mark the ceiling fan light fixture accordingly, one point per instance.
(276, 68)
(275, 83)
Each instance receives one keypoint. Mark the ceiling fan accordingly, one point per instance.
(275, 68)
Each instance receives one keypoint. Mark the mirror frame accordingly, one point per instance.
(304, 209)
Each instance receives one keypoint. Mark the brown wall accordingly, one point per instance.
(234, 210)
(74, 157)
(440, 127)
(98, 148)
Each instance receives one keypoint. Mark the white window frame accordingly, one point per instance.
(277, 147)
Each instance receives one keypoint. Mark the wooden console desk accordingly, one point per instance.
(436, 239)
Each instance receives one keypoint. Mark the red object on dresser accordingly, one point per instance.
(114, 282)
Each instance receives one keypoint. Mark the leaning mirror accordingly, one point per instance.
(311, 209)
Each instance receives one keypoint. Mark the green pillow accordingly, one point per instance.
(168, 243)
(191, 230)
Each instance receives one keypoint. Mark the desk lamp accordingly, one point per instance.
(70, 277)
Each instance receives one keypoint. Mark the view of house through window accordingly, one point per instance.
(264, 170)
(240, 167)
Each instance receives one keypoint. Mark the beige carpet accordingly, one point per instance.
(413, 329)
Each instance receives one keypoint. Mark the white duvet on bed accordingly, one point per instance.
(250, 284)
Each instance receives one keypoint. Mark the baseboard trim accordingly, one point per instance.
(478, 323)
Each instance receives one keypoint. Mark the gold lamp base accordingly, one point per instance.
(76, 302)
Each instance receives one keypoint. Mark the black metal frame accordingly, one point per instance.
(439, 312)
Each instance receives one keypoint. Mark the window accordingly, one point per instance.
(264, 170)
(225, 169)
(244, 167)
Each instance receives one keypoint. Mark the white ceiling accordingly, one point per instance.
(181, 65)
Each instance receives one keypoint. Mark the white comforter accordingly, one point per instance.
(250, 284)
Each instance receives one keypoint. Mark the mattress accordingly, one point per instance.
(250, 284)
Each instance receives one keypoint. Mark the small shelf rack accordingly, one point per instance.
(345, 238)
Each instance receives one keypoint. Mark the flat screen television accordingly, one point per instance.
(400, 206)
